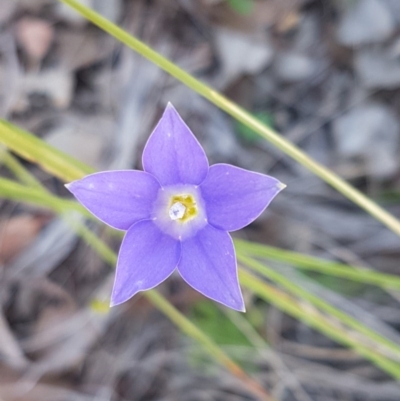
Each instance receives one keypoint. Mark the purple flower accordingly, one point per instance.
(177, 214)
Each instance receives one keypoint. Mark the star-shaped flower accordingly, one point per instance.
(177, 214)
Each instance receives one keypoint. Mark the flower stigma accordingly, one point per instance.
(182, 208)
(177, 211)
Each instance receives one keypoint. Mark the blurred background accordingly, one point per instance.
(323, 73)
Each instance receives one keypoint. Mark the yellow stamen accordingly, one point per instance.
(189, 202)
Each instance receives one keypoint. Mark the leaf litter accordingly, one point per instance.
(327, 74)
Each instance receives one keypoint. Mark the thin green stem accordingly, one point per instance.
(240, 114)
(313, 318)
(12, 190)
(373, 339)
(243, 325)
(20, 172)
(104, 251)
(37, 151)
(40, 197)
(193, 331)
(305, 262)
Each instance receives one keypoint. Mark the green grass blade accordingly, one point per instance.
(36, 196)
(313, 318)
(383, 345)
(240, 114)
(244, 326)
(35, 150)
(19, 171)
(193, 331)
(301, 261)
(40, 197)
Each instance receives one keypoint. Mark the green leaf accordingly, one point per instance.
(248, 134)
(216, 324)
(243, 7)
(240, 114)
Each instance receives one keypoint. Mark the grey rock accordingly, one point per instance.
(6, 10)
(85, 141)
(293, 67)
(241, 53)
(378, 68)
(370, 133)
(368, 21)
(394, 8)
(56, 83)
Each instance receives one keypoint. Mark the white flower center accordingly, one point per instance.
(177, 211)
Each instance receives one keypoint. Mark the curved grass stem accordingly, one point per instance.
(314, 318)
(322, 266)
(369, 337)
(240, 114)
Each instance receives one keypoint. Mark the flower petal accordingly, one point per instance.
(235, 197)
(118, 198)
(146, 258)
(208, 264)
(173, 154)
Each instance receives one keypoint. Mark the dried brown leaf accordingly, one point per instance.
(17, 233)
(34, 36)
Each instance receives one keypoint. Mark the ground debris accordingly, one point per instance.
(325, 74)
